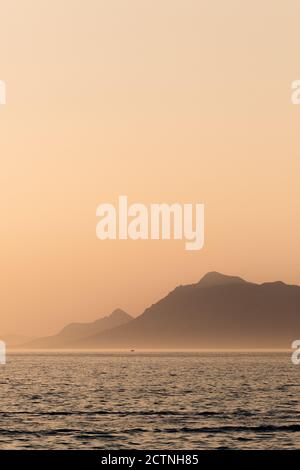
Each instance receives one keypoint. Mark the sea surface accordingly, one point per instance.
(149, 401)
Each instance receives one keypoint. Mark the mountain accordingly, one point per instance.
(76, 331)
(213, 279)
(219, 312)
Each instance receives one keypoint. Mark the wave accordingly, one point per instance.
(130, 413)
(80, 434)
(229, 429)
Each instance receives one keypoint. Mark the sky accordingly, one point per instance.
(182, 101)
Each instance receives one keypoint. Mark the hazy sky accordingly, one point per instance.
(160, 100)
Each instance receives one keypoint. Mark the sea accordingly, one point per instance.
(149, 400)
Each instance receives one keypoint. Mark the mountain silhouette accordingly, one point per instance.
(218, 312)
(216, 279)
(76, 331)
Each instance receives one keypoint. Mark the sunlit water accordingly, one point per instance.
(149, 401)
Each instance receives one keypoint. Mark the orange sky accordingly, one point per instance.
(160, 100)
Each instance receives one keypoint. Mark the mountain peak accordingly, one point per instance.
(119, 313)
(77, 331)
(214, 278)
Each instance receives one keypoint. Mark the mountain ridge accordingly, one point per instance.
(219, 311)
(76, 330)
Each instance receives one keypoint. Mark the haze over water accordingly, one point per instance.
(149, 401)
